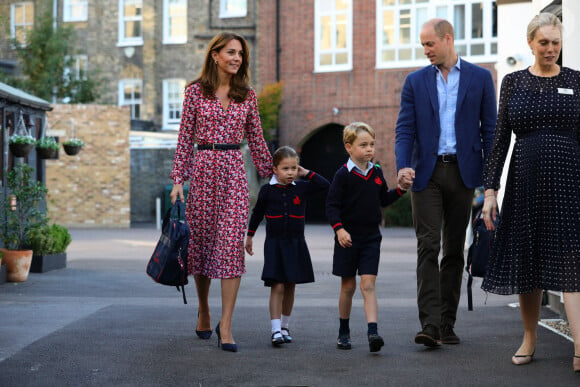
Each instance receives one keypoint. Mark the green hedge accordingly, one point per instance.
(44, 240)
(399, 214)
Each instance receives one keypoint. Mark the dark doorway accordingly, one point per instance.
(324, 153)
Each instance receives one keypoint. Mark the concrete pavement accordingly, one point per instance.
(103, 321)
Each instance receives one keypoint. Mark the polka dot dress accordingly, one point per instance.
(537, 243)
(218, 199)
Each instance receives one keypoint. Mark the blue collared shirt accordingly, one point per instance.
(350, 165)
(447, 95)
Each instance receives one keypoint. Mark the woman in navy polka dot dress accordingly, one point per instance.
(537, 243)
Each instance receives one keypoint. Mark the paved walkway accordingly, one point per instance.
(103, 322)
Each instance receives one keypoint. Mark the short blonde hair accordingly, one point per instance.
(352, 130)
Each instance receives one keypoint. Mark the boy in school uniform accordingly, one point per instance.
(353, 207)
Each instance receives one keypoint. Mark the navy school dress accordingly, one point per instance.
(286, 255)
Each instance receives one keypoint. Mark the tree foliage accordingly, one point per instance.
(47, 63)
(269, 101)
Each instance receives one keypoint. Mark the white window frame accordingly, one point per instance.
(173, 90)
(423, 10)
(75, 10)
(169, 18)
(123, 40)
(324, 8)
(239, 9)
(134, 83)
(25, 24)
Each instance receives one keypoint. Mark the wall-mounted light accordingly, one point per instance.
(513, 60)
(335, 111)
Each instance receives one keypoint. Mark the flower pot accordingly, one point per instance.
(17, 264)
(72, 150)
(47, 153)
(48, 262)
(21, 150)
(2, 274)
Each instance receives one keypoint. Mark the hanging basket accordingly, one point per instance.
(47, 153)
(21, 150)
(72, 150)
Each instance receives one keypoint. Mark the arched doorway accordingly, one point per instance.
(324, 153)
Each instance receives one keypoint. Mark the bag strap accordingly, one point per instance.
(182, 292)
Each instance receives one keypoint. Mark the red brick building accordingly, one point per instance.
(345, 60)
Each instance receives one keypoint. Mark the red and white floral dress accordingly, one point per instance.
(218, 199)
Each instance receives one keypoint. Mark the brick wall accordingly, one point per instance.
(362, 94)
(91, 189)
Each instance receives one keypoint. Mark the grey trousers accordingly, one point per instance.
(444, 207)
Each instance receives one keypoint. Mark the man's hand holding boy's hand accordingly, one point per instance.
(405, 178)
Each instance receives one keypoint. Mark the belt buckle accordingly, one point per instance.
(213, 146)
(446, 158)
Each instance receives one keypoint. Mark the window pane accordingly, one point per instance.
(325, 33)
(419, 53)
(494, 48)
(388, 55)
(341, 31)
(132, 29)
(405, 26)
(342, 4)
(405, 54)
(342, 58)
(461, 50)
(421, 1)
(132, 9)
(405, 2)
(388, 28)
(422, 15)
(388, 2)
(325, 59)
(477, 20)
(494, 20)
(478, 49)
(459, 21)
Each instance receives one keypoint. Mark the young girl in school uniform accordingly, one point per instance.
(286, 256)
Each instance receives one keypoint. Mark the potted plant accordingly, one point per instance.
(2, 270)
(48, 243)
(47, 148)
(21, 145)
(73, 146)
(19, 213)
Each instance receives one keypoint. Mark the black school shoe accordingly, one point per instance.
(448, 336)
(375, 342)
(429, 336)
(343, 342)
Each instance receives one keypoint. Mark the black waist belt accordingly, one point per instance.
(447, 158)
(217, 146)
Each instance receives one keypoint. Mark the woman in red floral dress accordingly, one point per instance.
(219, 110)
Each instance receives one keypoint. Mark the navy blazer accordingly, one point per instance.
(417, 132)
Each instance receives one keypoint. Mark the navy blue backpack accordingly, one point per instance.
(169, 264)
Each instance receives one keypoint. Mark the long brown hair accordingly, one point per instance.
(209, 78)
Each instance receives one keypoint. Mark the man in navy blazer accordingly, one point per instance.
(444, 132)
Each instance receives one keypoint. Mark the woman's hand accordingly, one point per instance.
(489, 209)
(176, 192)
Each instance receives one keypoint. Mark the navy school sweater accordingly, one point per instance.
(354, 201)
(285, 206)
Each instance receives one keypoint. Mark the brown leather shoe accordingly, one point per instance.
(429, 336)
(448, 336)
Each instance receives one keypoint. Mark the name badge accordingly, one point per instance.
(561, 90)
